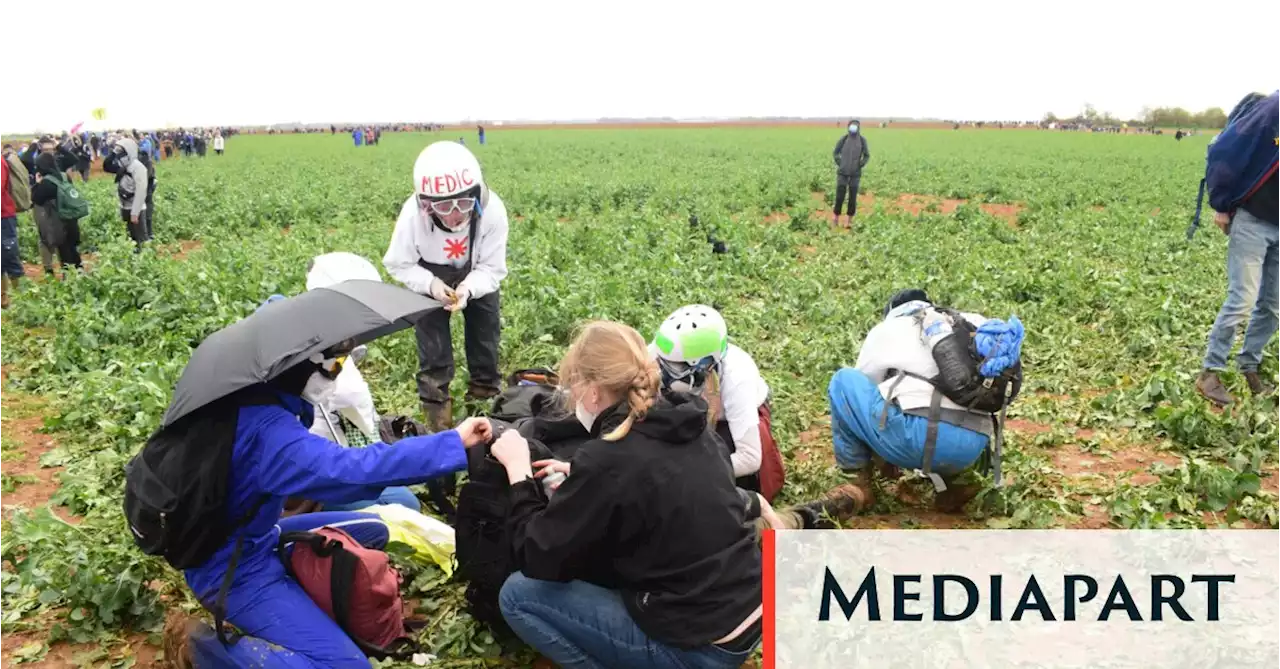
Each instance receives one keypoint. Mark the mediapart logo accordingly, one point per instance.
(931, 599)
(956, 597)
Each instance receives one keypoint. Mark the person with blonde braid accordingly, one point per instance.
(644, 556)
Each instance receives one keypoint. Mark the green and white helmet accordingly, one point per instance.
(691, 334)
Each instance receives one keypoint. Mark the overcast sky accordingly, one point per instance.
(234, 62)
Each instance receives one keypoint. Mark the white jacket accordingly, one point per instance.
(896, 343)
(417, 237)
(351, 399)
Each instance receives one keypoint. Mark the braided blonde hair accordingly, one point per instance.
(613, 357)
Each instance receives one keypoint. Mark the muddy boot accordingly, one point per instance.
(479, 393)
(839, 505)
(1210, 387)
(177, 633)
(439, 415)
(953, 499)
(1257, 386)
(887, 470)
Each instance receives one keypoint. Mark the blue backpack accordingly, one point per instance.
(1242, 157)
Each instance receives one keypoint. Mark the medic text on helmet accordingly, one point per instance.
(447, 184)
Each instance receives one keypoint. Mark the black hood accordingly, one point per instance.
(46, 164)
(676, 418)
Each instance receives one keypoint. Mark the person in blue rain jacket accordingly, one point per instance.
(275, 456)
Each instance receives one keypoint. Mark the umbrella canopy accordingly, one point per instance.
(286, 332)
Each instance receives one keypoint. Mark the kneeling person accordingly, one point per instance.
(899, 404)
(693, 352)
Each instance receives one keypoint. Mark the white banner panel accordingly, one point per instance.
(1053, 598)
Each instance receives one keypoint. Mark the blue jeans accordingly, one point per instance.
(1251, 286)
(283, 626)
(856, 404)
(392, 495)
(12, 257)
(578, 624)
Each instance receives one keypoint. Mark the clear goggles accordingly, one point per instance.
(686, 376)
(446, 207)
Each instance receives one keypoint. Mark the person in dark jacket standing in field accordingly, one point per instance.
(851, 155)
(132, 182)
(640, 557)
(1244, 198)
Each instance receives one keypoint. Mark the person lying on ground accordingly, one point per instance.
(694, 355)
(644, 556)
(274, 457)
(887, 408)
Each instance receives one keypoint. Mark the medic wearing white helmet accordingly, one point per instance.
(450, 244)
(694, 355)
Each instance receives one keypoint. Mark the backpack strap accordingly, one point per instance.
(1195, 221)
(931, 433)
(931, 441)
(220, 606)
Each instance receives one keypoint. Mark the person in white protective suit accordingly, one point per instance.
(346, 415)
(450, 244)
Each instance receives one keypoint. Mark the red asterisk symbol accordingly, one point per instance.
(455, 248)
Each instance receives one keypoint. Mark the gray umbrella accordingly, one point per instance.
(282, 334)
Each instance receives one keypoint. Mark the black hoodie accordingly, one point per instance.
(655, 516)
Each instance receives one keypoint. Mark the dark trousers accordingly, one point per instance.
(69, 251)
(142, 231)
(850, 185)
(482, 332)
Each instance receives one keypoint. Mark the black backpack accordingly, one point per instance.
(483, 549)
(175, 493)
(960, 381)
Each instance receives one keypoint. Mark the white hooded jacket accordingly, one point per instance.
(351, 398)
(417, 237)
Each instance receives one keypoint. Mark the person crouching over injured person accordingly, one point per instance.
(928, 392)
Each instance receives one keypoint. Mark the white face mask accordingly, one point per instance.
(319, 390)
(853, 128)
(587, 418)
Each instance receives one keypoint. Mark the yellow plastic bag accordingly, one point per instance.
(432, 540)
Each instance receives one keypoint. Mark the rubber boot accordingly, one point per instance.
(439, 416)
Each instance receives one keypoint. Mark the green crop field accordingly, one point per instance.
(1086, 247)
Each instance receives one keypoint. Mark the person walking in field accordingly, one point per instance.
(450, 244)
(1240, 176)
(851, 155)
(219, 144)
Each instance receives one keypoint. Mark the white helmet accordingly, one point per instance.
(446, 170)
(691, 334)
(449, 172)
(337, 267)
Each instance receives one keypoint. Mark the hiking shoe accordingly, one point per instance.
(838, 505)
(1257, 386)
(1210, 387)
(953, 499)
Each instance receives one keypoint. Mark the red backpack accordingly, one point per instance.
(356, 586)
